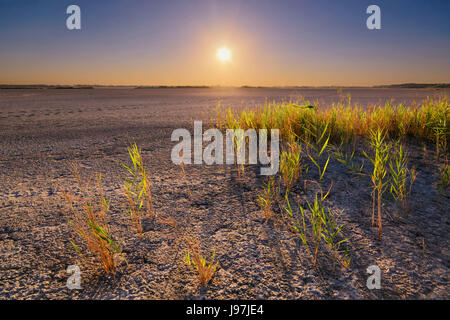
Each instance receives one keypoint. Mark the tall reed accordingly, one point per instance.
(319, 147)
(401, 177)
(137, 188)
(379, 160)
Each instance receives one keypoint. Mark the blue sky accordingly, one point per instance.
(272, 42)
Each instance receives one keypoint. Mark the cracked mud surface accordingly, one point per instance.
(258, 259)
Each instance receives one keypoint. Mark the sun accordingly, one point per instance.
(224, 54)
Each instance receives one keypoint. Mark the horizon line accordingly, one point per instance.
(417, 85)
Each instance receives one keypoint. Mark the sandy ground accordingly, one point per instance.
(258, 259)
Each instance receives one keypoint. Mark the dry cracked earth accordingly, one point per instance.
(258, 259)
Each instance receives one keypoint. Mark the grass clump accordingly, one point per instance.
(193, 257)
(345, 121)
(290, 163)
(90, 223)
(444, 174)
(294, 222)
(317, 224)
(267, 198)
(440, 130)
(137, 188)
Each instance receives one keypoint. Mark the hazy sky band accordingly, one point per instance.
(273, 43)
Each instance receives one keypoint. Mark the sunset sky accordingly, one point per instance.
(271, 43)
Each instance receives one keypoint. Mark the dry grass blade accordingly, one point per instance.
(185, 176)
(90, 223)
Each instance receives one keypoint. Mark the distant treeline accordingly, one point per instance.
(171, 87)
(416, 85)
(41, 86)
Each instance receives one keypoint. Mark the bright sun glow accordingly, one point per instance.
(224, 54)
